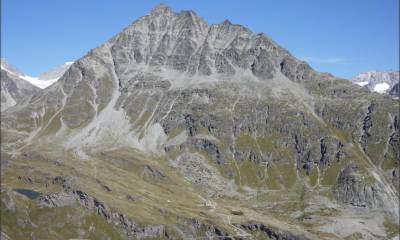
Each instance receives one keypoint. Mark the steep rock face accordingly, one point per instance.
(352, 188)
(270, 233)
(14, 90)
(232, 114)
(186, 43)
(395, 91)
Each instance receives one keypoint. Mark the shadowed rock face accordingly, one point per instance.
(226, 114)
(395, 91)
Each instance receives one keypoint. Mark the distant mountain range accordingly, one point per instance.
(386, 82)
(379, 81)
(14, 89)
(43, 80)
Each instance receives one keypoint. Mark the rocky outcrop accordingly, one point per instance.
(367, 124)
(190, 230)
(354, 189)
(269, 232)
(152, 173)
(211, 149)
(395, 91)
(331, 151)
(295, 70)
(58, 200)
(93, 205)
(250, 155)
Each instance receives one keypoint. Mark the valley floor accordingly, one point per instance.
(111, 187)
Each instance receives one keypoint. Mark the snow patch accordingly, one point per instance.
(362, 83)
(381, 87)
(38, 82)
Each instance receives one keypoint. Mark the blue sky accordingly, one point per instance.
(342, 37)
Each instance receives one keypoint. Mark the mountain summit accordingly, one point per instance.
(178, 129)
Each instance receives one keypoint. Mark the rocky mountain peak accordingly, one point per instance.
(161, 9)
(173, 106)
(226, 22)
(186, 43)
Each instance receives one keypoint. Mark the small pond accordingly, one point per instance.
(28, 193)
